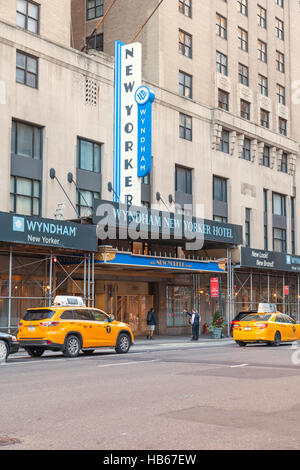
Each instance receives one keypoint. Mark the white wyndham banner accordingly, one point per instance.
(128, 78)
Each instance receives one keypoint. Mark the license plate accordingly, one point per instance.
(248, 328)
(31, 328)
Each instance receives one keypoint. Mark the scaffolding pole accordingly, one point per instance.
(10, 289)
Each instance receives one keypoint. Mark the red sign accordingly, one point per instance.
(214, 287)
(286, 290)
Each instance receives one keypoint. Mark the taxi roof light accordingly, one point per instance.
(68, 301)
(266, 308)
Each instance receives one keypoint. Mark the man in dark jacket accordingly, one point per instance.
(195, 322)
(151, 322)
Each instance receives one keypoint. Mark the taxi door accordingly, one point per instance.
(83, 323)
(293, 334)
(102, 329)
(282, 327)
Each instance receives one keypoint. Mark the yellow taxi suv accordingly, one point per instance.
(70, 327)
(270, 328)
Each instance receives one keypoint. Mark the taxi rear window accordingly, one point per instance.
(36, 315)
(258, 317)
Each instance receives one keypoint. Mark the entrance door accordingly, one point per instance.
(133, 309)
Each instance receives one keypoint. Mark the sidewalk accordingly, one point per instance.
(169, 340)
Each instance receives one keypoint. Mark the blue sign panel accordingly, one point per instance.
(164, 263)
(144, 98)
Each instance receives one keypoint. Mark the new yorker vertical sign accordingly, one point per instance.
(128, 78)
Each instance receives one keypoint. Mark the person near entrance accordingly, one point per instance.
(195, 322)
(151, 322)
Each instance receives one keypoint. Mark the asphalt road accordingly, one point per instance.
(157, 397)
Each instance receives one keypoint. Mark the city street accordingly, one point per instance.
(164, 394)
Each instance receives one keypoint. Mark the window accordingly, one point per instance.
(222, 63)
(26, 140)
(279, 240)
(183, 180)
(27, 70)
(284, 163)
(282, 124)
(264, 118)
(280, 63)
(243, 7)
(95, 42)
(85, 202)
(280, 3)
(28, 15)
(221, 25)
(247, 149)
(185, 7)
(24, 196)
(247, 226)
(185, 44)
(279, 26)
(224, 142)
(223, 100)
(262, 51)
(243, 74)
(293, 238)
(266, 156)
(221, 219)
(281, 94)
(88, 156)
(263, 85)
(220, 189)
(243, 39)
(266, 241)
(185, 127)
(94, 9)
(178, 299)
(279, 205)
(185, 85)
(245, 110)
(262, 17)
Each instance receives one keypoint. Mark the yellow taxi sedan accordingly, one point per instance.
(71, 329)
(270, 328)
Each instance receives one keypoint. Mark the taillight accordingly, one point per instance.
(262, 326)
(49, 323)
(236, 326)
(20, 323)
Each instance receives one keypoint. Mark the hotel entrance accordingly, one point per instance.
(133, 309)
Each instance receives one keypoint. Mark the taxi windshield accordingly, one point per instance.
(257, 317)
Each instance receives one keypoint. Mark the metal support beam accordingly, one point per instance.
(10, 289)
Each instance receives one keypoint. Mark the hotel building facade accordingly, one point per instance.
(225, 139)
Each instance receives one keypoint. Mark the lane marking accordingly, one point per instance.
(127, 363)
(239, 365)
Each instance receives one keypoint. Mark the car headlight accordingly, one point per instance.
(13, 338)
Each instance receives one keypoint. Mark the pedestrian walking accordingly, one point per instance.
(195, 322)
(151, 322)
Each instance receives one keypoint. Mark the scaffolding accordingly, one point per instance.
(32, 279)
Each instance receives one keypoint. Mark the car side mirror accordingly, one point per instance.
(111, 318)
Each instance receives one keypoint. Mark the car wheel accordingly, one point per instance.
(72, 346)
(123, 344)
(3, 351)
(35, 352)
(88, 352)
(277, 339)
(242, 344)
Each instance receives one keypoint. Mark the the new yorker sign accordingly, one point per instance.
(132, 124)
